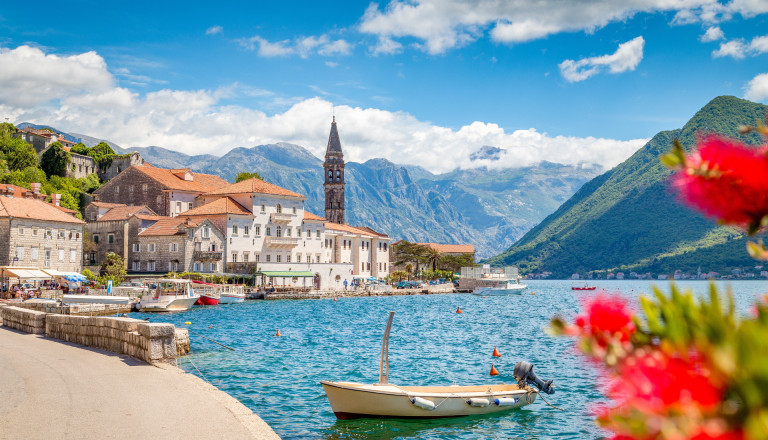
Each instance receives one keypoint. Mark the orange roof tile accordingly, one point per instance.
(346, 228)
(371, 231)
(167, 226)
(106, 205)
(254, 186)
(309, 216)
(63, 209)
(34, 209)
(451, 248)
(17, 190)
(200, 182)
(224, 205)
(123, 212)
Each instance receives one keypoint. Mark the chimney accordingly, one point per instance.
(35, 188)
(56, 199)
(28, 195)
(7, 191)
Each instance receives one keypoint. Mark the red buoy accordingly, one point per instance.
(458, 310)
(496, 352)
(494, 371)
(278, 333)
(335, 299)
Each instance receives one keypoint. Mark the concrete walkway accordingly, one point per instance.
(50, 389)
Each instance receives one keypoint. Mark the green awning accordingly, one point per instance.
(285, 274)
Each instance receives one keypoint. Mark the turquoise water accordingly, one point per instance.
(279, 377)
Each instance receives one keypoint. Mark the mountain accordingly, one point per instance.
(489, 208)
(628, 220)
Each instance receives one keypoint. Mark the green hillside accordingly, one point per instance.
(627, 219)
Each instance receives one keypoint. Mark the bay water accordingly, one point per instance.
(430, 344)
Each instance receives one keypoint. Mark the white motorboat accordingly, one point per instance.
(95, 299)
(351, 400)
(231, 293)
(500, 287)
(167, 295)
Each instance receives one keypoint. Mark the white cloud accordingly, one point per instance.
(302, 46)
(213, 30)
(626, 57)
(387, 46)
(740, 49)
(757, 88)
(446, 24)
(199, 121)
(29, 76)
(713, 33)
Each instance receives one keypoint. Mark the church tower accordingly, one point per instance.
(334, 177)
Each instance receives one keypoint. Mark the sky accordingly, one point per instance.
(421, 82)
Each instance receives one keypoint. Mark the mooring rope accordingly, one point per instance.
(553, 406)
(198, 370)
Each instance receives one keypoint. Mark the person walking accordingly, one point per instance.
(345, 284)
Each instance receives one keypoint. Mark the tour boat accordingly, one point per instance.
(500, 287)
(350, 400)
(167, 295)
(207, 292)
(231, 293)
(95, 299)
(585, 286)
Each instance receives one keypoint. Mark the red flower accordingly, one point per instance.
(655, 382)
(607, 318)
(727, 180)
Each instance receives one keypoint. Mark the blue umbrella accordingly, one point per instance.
(74, 278)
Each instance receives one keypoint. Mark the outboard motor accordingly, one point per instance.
(524, 375)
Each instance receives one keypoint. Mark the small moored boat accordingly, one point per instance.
(207, 292)
(167, 295)
(500, 287)
(95, 299)
(351, 400)
(584, 286)
(231, 293)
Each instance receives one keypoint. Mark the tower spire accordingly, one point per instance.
(333, 176)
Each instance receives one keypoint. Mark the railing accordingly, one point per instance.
(207, 255)
(281, 242)
(280, 217)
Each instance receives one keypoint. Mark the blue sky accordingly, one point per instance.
(422, 82)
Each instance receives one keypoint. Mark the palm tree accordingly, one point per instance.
(432, 256)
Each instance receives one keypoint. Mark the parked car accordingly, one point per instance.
(404, 285)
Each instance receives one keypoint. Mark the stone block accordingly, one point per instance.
(155, 330)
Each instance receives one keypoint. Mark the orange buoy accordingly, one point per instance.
(496, 352)
(458, 310)
(494, 371)
(335, 299)
(278, 333)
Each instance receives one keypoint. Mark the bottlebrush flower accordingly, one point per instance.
(727, 180)
(607, 318)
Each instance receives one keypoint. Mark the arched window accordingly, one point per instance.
(279, 230)
(330, 175)
(279, 208)
(338, 175)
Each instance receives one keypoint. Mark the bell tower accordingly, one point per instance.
(333, 168)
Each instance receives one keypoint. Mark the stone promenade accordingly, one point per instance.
(51, 389)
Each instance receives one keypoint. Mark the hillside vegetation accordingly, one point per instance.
(628, 220)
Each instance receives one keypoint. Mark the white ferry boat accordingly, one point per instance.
(167, 295)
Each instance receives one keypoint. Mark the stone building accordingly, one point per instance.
(34, 233)
(178, 244)
(41, 139)
(333, 169)
(113, 228)
(81, 166)
(120, 164)
(166, 192)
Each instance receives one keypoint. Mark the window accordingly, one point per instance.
(47, 258)
(288, 231)
(294, 210)
(151, 266)
(309, 258)
(269, 258)
(111, 238)
(34, 254)
(288, 259)
(317, 258)
(61, 234)
(278, 257)
(234, 229)
(19, 253)
(318, 233)
(279, 208)
(214, 267)
(245, 257)
(234, 257)
(21, 230)
(385, 266)
(257, 230)
(196, 267)
(206, 232)
(173, 266)
(278, 232)
(95, 238)
(34, 231)
(298, 231)
(130, 189)
(136, 247)
(246, 230)
(174, 247)
(61, 254)
(151, 247)
(330, 175)
(136, 265)
(72, 255)
(144, 187)
(309, 233)
(178, 206)
(385, 247)
(263, 208)
(269, 232)
(256, 258)
(48, 234)
(117, 190)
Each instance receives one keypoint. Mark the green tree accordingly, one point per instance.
(246, 175)
(407, 252)
(24, 177)
(456, 262)
(55, 160)
(16, 153)
(432, 257)
(113, 268)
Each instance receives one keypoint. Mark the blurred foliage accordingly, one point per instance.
(246, 175)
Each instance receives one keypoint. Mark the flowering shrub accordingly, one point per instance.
(681, 368)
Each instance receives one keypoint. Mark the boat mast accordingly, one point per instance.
(384, 362)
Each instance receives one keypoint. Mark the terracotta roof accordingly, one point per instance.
(106, 205)
(346, 228)
(451, 248)
(309, 216)
(168, 226)
(35, 131)
(371, 231)
(149, 217)
(17, 190)
(34, 209)
(63, 209)
(123, 212)
(254, 186)
(199, 183)
(224, 205)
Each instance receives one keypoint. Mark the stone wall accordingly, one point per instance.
(132, 187)
(81, 166)
(154, 343)
(119, 164)
(44, 235)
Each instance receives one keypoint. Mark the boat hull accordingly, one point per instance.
(584, 288)
(231, 299)
(353, 400)
(206, 300)
(516, 289)
(174, 305)
(95, 299)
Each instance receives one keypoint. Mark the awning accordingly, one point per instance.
(24, 273)
(285, 274)
(72, 277)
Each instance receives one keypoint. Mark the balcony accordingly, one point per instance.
(207, 255)
(281, 242)
(280, 217)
